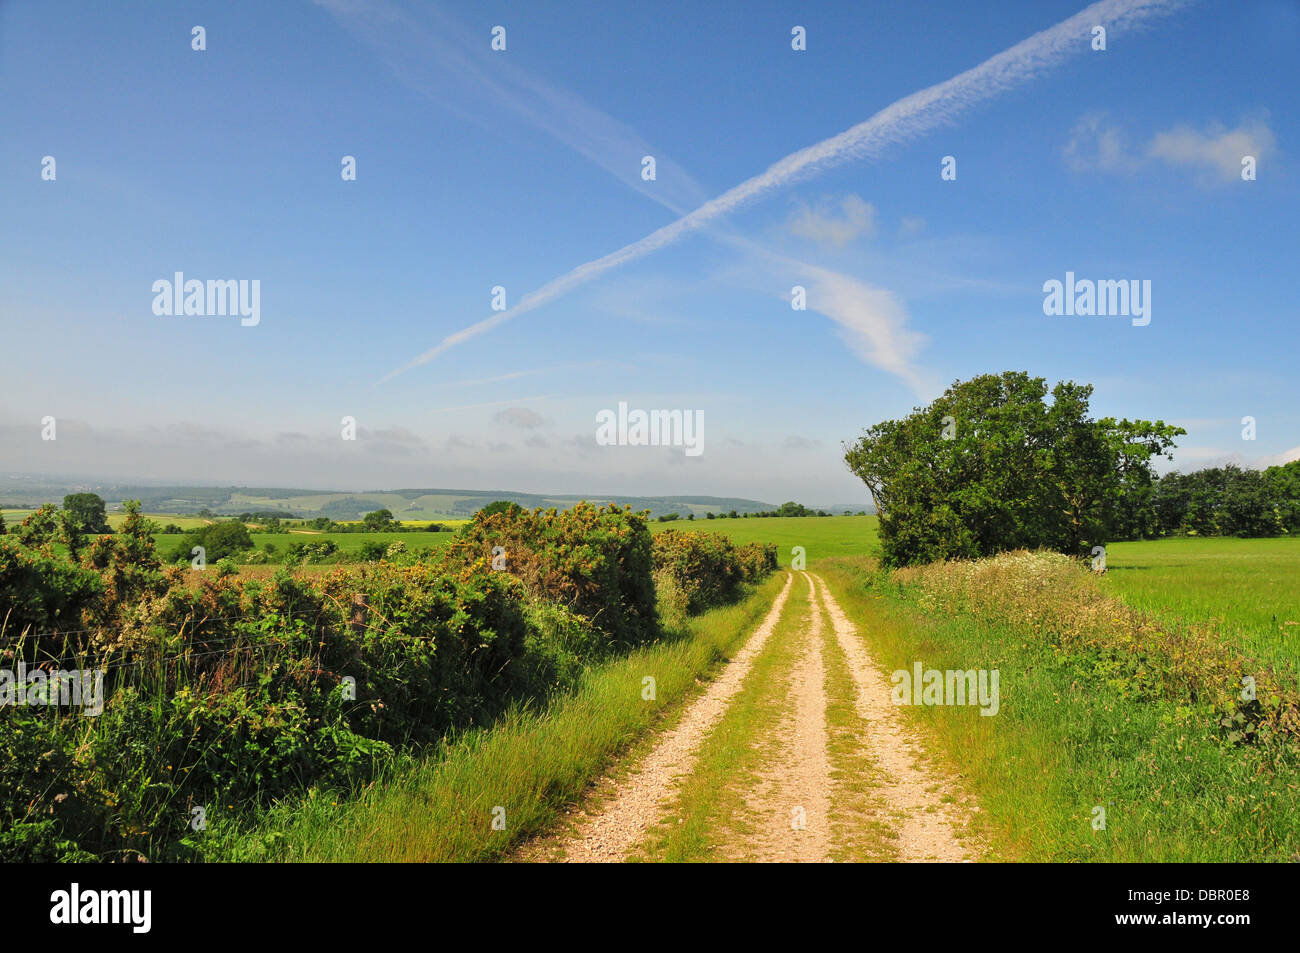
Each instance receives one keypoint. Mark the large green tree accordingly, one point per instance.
(992, 465)
(219, 540)
(380, 520)
(87, 510)
(1284, 487)
(499, 506)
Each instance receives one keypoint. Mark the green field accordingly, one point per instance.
(820, 536)
(1246, 589)
(351, 543)
(13, 517)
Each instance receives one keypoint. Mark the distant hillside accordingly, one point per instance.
(406, 504)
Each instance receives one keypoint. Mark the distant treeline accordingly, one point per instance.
(785, 509)
(1219, 501)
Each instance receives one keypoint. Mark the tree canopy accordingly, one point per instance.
(499, 506)
(219, 541)
(87, 510)
(992, 465)
(380, 520)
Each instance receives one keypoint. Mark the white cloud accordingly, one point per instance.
(821, 223)
(873, 322)
(1097, 143)
(1217, 150)
(910, 226)
(1279, 459)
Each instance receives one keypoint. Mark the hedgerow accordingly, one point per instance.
(236, 692)
(596, 560)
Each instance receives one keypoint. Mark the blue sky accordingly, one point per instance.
(478, 168)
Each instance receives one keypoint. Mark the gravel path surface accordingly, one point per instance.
(912, 790)
(790, 803)
(621, 822)
(787, 811)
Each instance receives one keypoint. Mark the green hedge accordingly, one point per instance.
(236, 692)
(708, 568)
(596, 560)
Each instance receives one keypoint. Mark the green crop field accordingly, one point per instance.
(352, 542)
(1246, 589)
(820, 536)
(115, 520)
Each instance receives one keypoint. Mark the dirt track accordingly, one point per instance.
(789, 802)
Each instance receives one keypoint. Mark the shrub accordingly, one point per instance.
(317, 551)
(593, 559)
(372, 551)
(39, 591)
(440, 650)
(219, 540)
(708, 568)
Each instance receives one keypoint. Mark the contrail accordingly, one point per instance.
(405, 41)
(899, 122)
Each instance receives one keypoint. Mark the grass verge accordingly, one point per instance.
(1084, 736)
